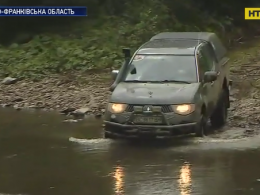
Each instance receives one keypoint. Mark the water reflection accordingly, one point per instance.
(185, 179)
(119, 180)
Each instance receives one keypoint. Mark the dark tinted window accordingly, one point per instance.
(204, 64)
(209, 54)
(162, 67)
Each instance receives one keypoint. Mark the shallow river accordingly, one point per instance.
(41, 155)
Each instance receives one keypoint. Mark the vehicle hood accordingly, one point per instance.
(154, 93)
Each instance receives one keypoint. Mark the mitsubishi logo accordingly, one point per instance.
(147, 109)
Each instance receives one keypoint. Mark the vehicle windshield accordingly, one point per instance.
(162, 68)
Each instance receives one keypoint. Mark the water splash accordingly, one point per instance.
(88, 141)
(91, 144)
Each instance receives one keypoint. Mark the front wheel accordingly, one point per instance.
(109, 136)
(219, 116)
(202, 128)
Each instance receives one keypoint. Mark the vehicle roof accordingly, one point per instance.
(167, 51)
(205, 36)
(173, 47)
(212, 38)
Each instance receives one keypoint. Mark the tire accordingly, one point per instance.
(202, 128)
(109, 136)
(219, 117)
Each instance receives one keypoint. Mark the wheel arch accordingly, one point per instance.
(225, 84)
(225, 87)
(203, 109)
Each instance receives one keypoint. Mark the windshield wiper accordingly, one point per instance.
(164, 81)
(175, 81)
(135, 81)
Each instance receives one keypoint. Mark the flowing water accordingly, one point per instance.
(41, 155)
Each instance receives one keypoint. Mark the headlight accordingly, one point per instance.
(183, 109)
(116, 108)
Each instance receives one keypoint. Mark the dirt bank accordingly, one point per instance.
(74, 94)
(245, 95)
(88, 94)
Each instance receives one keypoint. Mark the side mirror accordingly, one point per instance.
(210, 76)
(127, 52)
(114, 74)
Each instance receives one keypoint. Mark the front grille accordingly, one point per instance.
(164, 108)
(130, 108)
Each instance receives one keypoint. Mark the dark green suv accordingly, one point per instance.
(173, 84)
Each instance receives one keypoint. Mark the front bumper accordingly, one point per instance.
(122, 125)
(159, 131)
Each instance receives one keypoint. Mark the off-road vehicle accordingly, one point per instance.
(173, 84)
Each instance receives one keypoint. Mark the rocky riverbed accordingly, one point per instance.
(75, 96)
(78, 96)
(245, 95)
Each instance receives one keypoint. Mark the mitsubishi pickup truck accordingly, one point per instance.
(174, 84)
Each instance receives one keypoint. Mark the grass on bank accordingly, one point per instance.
(97, 43)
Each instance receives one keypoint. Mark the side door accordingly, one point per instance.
(209, 55)
(207, 88)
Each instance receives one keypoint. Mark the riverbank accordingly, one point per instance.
(81, 95)
(76, 95)
(245, 95)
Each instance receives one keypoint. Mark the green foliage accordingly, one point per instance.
(64, 45)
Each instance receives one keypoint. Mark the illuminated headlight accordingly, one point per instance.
(183, 109)
(116, 108)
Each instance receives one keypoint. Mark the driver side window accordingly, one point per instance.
(204, 65)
